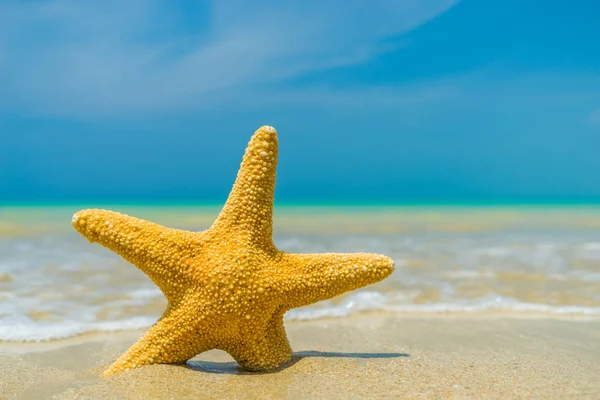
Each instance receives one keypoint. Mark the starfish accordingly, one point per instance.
(227, 287)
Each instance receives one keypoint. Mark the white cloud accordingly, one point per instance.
(371, 97)
(108, 57)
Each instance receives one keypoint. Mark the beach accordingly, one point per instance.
(485, 302)
(370, 355)
(299, 200)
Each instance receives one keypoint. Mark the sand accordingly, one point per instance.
(367, 356)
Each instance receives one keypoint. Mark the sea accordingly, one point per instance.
(528, 261)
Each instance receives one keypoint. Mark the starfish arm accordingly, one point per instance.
(265, 351)
(168, 341)
(249, 207)
(314, 277)
(158, 251)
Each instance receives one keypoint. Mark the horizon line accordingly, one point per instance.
(550, 202)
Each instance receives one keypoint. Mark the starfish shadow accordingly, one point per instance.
(232, 368)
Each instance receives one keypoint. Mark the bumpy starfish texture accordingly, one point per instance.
(229, 286)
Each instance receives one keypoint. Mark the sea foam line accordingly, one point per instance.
(24, 329)
(375, 301)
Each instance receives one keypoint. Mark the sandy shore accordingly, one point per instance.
(375, 355)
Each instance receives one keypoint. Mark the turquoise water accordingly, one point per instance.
(517, 259)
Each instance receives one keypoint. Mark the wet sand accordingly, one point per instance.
(375, 356)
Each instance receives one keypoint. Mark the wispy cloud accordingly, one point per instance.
(108, 57)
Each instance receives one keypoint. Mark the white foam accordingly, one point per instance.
(360, 301)
(146, 293)
(18, 328)
(62, 277)
(373, 301)
(23, 329)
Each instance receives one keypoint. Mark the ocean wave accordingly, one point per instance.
(66, 287)
(375, 301)
(23, 329)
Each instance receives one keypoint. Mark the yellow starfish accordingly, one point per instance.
(229, 286)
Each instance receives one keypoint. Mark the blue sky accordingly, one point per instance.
(432, 100)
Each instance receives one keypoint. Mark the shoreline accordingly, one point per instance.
(26, 345)
(370, 354)
(486, 314)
